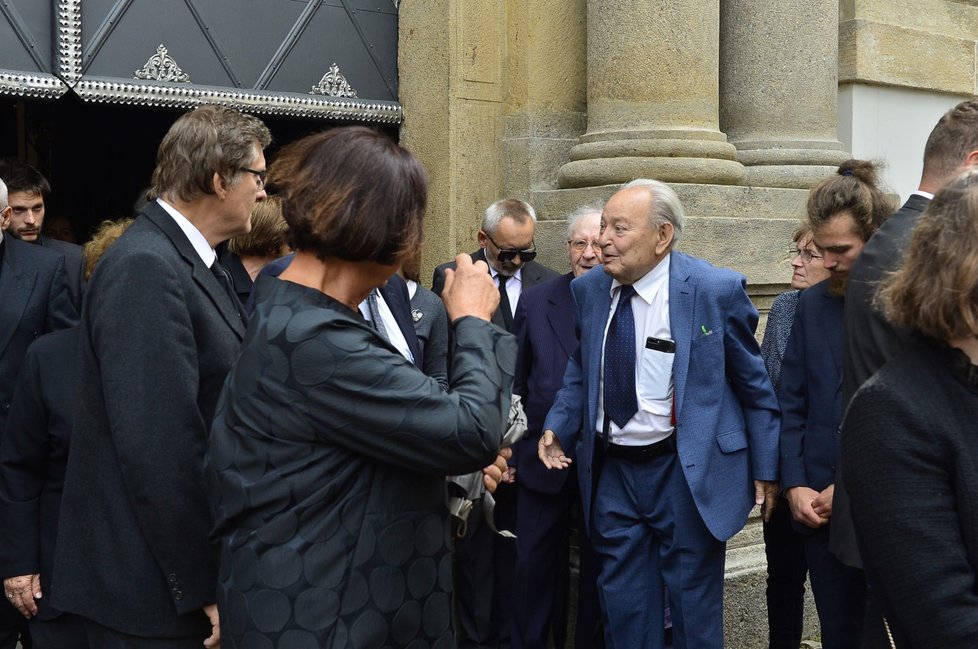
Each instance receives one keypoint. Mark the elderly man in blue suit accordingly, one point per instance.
(672, 418)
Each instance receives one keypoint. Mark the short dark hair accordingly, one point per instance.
(351, 193)
(854, 188)
(22, 177)
(207, 140)
(953, 137)
(935, 291)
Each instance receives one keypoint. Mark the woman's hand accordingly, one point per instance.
(469, 290)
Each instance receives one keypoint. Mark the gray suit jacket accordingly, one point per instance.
(158, 337)
(532, 274)
(34, 300)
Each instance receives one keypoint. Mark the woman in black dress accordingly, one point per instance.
(910, 439)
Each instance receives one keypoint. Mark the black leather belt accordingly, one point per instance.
(640, 454)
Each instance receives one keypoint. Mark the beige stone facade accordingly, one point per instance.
(733, 102)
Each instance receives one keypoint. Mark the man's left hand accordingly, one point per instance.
(495, 473)
(766, 495)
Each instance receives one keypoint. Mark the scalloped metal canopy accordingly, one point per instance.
(329, 59)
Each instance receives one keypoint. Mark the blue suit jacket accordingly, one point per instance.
(547, 337)
(811, 391)
(727, 421)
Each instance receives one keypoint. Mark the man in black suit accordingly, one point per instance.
(27, 190)
(506, 245)
(34, 300)
(870, 340)
(484, 560)
(133, 555)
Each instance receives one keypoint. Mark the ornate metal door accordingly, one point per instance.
(334, 59)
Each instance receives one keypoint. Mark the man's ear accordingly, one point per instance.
(5, 217)
(666, 233)
(483, 240)
(971, 160)
(217, 184)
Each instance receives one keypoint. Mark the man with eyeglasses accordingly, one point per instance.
(485, 560)
(160, 330)
(547, 501)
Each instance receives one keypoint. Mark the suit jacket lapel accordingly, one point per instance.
(682, 295)
(202, 274)
(16, 283)
(480, 255)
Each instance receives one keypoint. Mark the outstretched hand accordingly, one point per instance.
(551, 453)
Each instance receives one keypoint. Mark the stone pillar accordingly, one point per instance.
(653, 97)
(779, 87)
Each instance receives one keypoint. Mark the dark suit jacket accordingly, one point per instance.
(531, 275)
(33, 455)
(870, 339)
(158, 336)
(810, 391)
(431, 325)
(34, 300)
(394, 292)
(74, 265)
(727, 417)
(546, 338)
(239, 275)
(869, 342)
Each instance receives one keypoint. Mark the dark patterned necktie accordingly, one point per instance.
(620, 401)
(504, 307)
(224, 279)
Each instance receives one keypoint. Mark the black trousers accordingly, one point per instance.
(786, 571)
(101, 637)
(13, 627)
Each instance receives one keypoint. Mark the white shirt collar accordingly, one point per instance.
(197, 240)
(926, 195)
(648, 285)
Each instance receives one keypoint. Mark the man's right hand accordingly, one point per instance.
(551, 453)
(800, 500)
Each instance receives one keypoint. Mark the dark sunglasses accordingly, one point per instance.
(508, 255)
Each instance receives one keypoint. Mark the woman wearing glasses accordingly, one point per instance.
(785, 549)
(910, 439)
(329, 449)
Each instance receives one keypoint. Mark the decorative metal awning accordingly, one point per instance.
(329, 59)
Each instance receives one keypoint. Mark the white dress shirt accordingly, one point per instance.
(514, 286)
(653, 368)
(390, 325)
(196, 239)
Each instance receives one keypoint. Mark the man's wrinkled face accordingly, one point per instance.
(26, 215)
(630, 245)
(583, 248)
(510, 235)
(840, 246)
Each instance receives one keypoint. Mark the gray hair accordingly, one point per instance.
(574, 218)
(514, 208)
(666, 206)
(3, 196)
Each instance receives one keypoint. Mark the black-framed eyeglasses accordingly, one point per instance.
(259, 176)
(580, 244)
(806, 255)
(506, 255)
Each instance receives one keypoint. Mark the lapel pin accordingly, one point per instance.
(416, 314)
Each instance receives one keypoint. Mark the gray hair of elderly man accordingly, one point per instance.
(666, 206)
(3, 195)
(574, 218)
(514, 208)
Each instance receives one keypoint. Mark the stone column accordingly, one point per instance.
(779, 87)
(652, 88)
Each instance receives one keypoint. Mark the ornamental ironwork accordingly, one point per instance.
(162, 67)
(334, 84)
